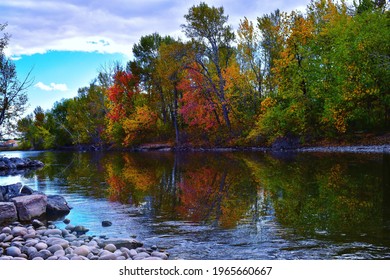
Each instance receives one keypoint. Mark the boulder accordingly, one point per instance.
(31, 206)
(7, 212)
(10, 191)
(123, 242)
(106, 224)
(57, 206)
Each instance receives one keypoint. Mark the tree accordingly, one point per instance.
(146, 54)
(13, 97)
(170, 69)
(212, 40)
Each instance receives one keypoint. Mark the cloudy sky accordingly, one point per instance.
(64, 42)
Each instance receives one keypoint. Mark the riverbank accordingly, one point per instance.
(37, 241)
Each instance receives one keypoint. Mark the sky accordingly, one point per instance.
(63, 43)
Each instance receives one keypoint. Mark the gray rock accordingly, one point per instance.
(55, 231)
(30, 206)
(108, 256)
(6, 230)
(110, 247)
(80, 229)
(56, 240)
(13, 251)
(160, 255)
(7, 212)
(78, 258)
(66, 221)
(82, 251)
(106, 223)
(37, 223)
(70, 228)
(141, 256)
(63, 258)
(37, 259)
(2, 237)
(44, 254)
(52, 258)
(123, 242)
(29, 236)
(54, 248)
(152, 259)
(59, 253)
(31, 251)
(8, 238)
(19, 231)
(133, 253)
(40, 246)
(57, 206)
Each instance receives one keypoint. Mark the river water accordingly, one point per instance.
(226, 205)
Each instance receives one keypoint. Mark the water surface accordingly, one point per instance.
(227, 205)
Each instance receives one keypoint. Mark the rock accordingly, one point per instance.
(133, 253)
(82, 251)
(56, 240)
(70, 228)
(30, 206)
(159, 255)
(152, 259)
(57, 206)
(54, 248)
(63, 258)
(6, 230)
(13, 251)
(31, 251)
(40, 246)
(37, 223)
(110, 247)
(123, 242)
(106, 224)
(37, 259)
(44, 254)
(7, 212)
(55, 231)
(59, 253)
(66, 221)
(141, 256)
(80, 229)
(108, 256)
(19, 231)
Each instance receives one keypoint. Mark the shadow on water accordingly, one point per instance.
(228, 205)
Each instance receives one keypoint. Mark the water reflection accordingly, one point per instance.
(230, 205)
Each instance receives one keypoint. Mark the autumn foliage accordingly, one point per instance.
(314, 75)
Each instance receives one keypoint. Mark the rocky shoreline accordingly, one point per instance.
(37, 241)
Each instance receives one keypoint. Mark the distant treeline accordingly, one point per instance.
(321, 74)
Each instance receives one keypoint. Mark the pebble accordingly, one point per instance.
(53, 232)
(38, 242)
(13, 251)
(82, 250)
(41, 246)
(110, 247)
(54, 248)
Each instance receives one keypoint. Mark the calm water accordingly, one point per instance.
(227, 205)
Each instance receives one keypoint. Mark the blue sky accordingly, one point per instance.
(65, 42)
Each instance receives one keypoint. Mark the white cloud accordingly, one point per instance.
(38, 26)
(51, 87)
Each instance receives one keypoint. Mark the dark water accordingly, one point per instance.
(227, 205)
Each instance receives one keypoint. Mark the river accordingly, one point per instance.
(238, 205)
